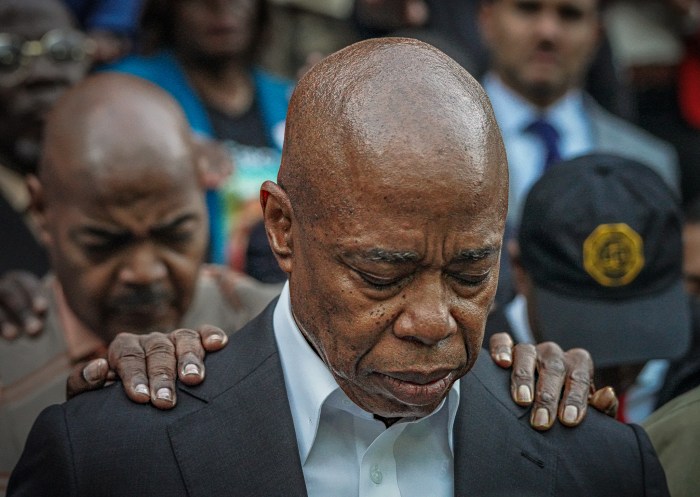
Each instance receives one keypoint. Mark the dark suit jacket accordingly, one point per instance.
(234, 436)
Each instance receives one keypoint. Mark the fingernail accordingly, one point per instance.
(570, 414)
(524, 394)
(215, 339)
(190, 369)
(164, 394)
(142, 389)
(503, 357)
(541, 417)
(91, 372)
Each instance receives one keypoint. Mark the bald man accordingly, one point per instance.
(364, 377)
(122, 214)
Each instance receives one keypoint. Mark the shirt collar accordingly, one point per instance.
(514, 113)
(310, 385)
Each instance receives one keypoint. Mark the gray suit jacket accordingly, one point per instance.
(234, 436)
(617, 136)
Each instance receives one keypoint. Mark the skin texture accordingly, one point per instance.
(390, 230)
(23, 106)
(119, 205)
(540, 48)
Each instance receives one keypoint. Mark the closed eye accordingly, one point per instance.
(470, 280)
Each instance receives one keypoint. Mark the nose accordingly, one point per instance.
(426, 317)
(142, 267)
(549, 25)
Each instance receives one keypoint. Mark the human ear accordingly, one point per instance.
(278, 217)
(37, 207)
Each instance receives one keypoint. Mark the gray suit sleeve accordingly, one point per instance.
(46, 465)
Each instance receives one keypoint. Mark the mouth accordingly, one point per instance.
(414, 388)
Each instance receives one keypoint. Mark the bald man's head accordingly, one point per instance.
(370, 105)
(388, 218)
(119, 205)
(113, 118)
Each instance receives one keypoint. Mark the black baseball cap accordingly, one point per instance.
(600, 237)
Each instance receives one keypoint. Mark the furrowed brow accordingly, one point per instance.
(381, 255)
(174, 224)
(473, 255)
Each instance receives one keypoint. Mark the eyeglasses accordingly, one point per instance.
(63, 47)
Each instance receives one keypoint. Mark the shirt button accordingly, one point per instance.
(375, 474)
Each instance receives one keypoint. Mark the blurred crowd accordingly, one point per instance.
(598, 102)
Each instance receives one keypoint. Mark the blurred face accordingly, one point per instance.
(215, 29)
(29, 85)
(393, 288)
(691, 258)
(541, 48)
(127, 248)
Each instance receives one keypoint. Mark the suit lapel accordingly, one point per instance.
(495, 453)
(242, 442)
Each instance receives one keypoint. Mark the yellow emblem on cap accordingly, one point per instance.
(613, 254)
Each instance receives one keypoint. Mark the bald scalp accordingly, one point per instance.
(366, 110)
(112, 123)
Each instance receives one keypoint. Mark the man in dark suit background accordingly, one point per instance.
(363, 378)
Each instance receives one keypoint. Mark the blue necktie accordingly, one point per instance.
(550, 138)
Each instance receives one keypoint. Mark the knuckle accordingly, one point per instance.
(547, 397)
(126, 351)
(158, 344)
(580, 378)
(522, 375)
(553, 365)
(550, 349)
(185, 334)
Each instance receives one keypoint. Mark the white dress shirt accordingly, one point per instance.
(526, 153)
(344, 451)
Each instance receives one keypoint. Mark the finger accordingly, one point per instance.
(551, 371)
(577, 386)
(212, 338)
(522, 379)
(161, 365)
(501, 348)
(605, 401)
(190, 355)
(86, 377)
(8, 330)
(126, 356)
